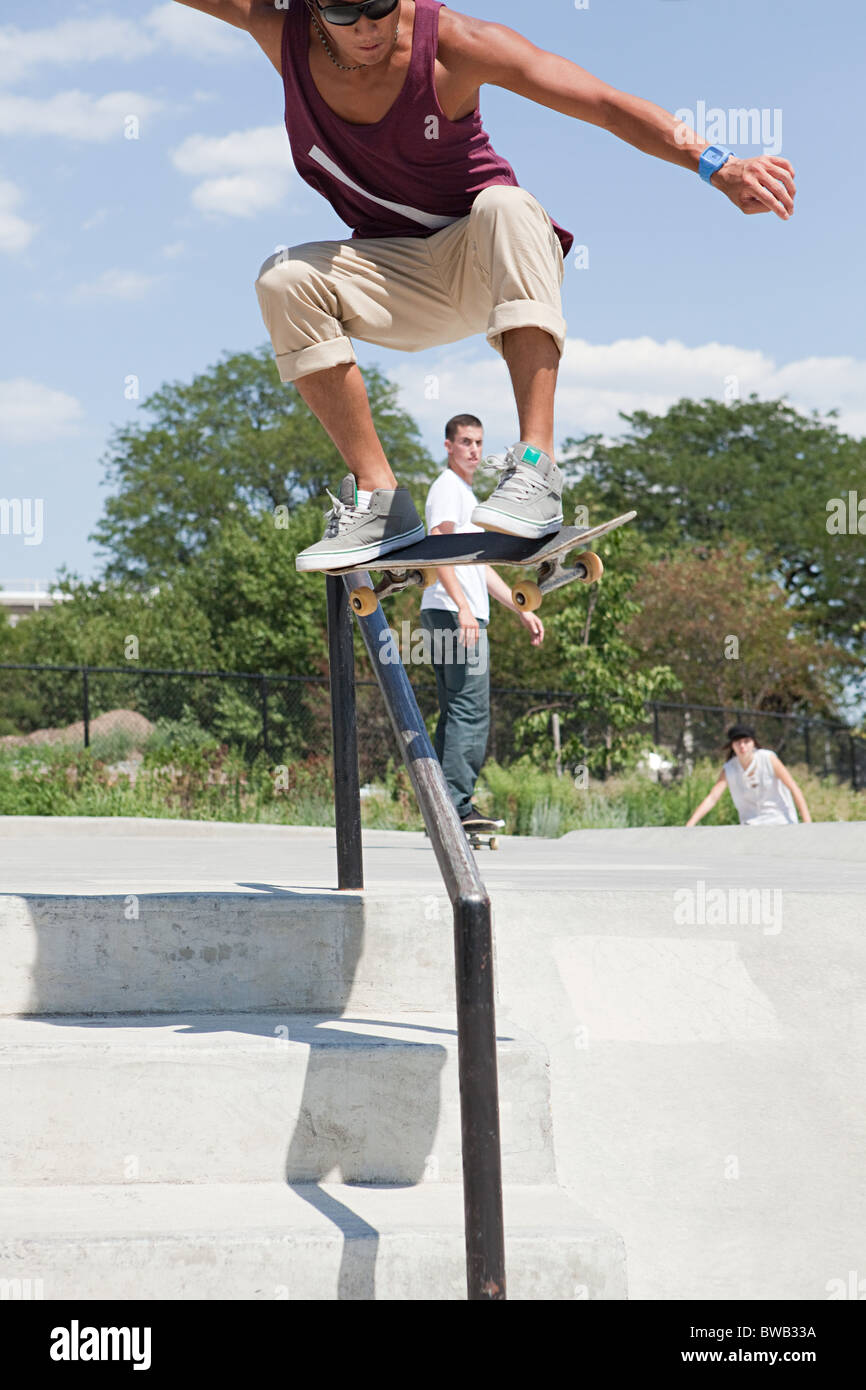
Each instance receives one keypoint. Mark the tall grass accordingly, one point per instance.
(200, 781)
(540, 803)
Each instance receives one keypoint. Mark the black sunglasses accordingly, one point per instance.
(350, 14)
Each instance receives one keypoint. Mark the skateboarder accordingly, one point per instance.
(381, 106)
(763, 789)
(455, 611)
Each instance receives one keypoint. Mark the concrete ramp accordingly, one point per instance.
(682, 1025)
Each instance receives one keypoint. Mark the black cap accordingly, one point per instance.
(740, 731)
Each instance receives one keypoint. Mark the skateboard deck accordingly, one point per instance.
(483, 832)
(412, 564)
(478, 836)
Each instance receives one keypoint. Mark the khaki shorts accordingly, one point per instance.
(499, 268)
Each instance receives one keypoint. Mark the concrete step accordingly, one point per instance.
(272, 1241)
(262, 1097)
(298, 951)
(306, 952)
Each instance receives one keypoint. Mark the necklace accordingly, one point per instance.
(353, 67)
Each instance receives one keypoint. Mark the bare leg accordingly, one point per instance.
(337, 397)
(533, 361)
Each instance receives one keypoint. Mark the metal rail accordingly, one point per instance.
(473, 935)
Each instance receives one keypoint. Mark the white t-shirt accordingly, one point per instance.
(759, 796)
(450, 499)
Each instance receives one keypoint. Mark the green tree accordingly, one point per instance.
(598, 664)
(726, 634)
(232, 443)
(242, 607)
(758, 471)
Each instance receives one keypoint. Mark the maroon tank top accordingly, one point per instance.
(409, 174)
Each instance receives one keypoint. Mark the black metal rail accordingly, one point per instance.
(473, 934)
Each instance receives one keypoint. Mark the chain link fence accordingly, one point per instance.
(828, 749)
(119, 711)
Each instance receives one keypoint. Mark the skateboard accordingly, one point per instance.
(412, 564)
(478, 837)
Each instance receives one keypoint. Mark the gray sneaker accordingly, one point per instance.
(527, 501)
(354, 538)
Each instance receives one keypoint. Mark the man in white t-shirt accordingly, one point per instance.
(455, 611)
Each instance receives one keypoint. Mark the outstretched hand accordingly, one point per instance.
(762, 184)
(535, 627)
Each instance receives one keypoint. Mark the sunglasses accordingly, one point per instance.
(350, 14)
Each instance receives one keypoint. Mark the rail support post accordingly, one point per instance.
(479, 1103)
(344, 734)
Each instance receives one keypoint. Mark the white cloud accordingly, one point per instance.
(15, 233)
(241, 195)
(187, 32)
(72, 41)
(263, 147)
(31, 413)
(194, 34)
(173, 250)
(115, 284)
(598, 380)
(241, 173)
(74, 115)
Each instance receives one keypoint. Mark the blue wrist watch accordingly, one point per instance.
(712, 159)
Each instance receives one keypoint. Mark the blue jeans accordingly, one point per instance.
(463, 687)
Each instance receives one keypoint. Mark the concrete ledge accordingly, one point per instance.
(255, 1098)
(296, 951)
(332, 952)
(270, 1241)
(119, 827)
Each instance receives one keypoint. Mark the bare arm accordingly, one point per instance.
(496, 54)
(787, 780)
(498, 589)
(447, 576)
(258, 18)
(709, 800)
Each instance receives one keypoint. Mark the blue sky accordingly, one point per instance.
(128, 258)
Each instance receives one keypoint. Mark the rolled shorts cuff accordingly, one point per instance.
(525, 313)
(334, 353)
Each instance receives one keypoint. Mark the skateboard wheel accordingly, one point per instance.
(527, 596)
(494, 843)
(364, 602)
(592, 564)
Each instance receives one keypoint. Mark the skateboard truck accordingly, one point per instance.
(586, 569)
(477, 838)
(364, 601)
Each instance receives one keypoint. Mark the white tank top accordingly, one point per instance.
(759, 796)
